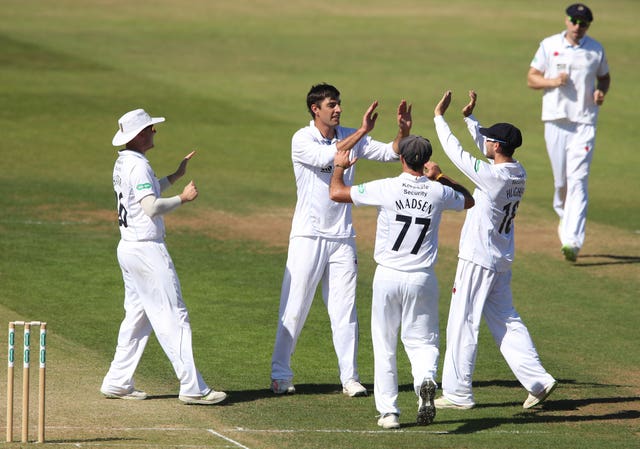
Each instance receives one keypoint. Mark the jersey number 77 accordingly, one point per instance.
(407, 220)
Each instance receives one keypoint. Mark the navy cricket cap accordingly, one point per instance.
(416, 150)
(504, 133)
(580, 11)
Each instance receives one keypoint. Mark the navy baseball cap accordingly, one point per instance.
(580, 11)
(504, 133)
(416, 150)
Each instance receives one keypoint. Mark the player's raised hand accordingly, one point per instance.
(468, 109)
(182, 168)
(370, 117)
(189, 193)
(404, 118)
(443, 104)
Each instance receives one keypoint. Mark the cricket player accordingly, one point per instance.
(405, 287)
(153, 298)
(482, 284)
(572, 69)
(322, 244)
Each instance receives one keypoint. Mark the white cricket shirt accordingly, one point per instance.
(312, 155)
(409, 212)
(487, 236)
(133, 179)
(584, 63)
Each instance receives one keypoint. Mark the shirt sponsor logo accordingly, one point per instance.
(476, 167)
(143, 186)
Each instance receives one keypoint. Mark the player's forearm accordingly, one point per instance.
(603, 83)
(396, 142)
(338, 191)
(350, 141)
(165, 183)
(154, 206)
(469, 202)
(536, 80)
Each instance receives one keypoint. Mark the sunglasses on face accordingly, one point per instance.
(579, 22)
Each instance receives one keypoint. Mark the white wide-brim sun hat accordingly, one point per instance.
(131, 124)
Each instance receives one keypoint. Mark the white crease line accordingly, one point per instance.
(219, 435)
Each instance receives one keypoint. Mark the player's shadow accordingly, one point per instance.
(470, 424)
(238, 396)
(611, 259)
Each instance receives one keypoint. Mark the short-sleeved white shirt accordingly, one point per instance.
(584, 63)
(409, 213)
(312, 155)
(487, 236)
(133, 179)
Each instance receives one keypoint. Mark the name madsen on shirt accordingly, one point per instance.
(414, 203)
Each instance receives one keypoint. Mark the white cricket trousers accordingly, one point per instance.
(309, 261)
(152, 302)
(405, 302)
(478, 292)
(570, 147)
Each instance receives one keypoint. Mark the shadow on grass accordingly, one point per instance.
(473, 425)
(614, 260)
(237, 396)
(536, 415)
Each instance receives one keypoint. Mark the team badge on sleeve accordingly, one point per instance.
(143, 186)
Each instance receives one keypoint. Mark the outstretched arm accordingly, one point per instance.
(154, 206)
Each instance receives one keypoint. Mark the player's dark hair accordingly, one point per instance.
(506, 150)
(318, 93)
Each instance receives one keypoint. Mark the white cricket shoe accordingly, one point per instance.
(443, 402)
(282, 386)
(354, 388)
(389, 421)
(426, 407)
(535, 399)
(133, 395)
(213, 397)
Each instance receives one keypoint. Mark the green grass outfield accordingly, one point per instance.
(231, 79)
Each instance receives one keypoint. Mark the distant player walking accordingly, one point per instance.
(405, 287)
(572, 69)
(321, 244)
(482, 284)
(153, 298)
